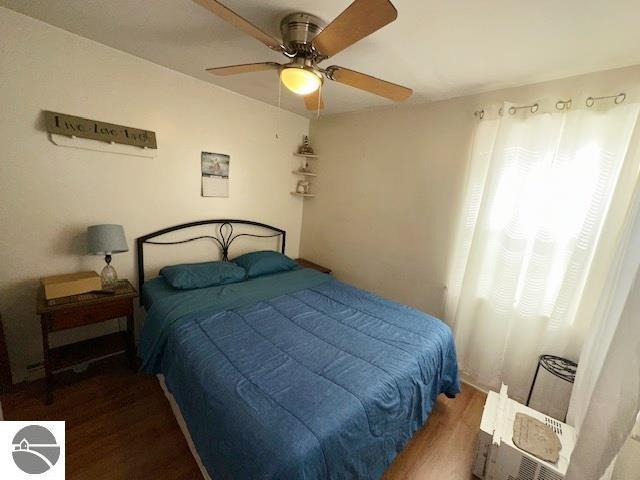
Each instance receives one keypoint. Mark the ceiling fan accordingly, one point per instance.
(308, 41)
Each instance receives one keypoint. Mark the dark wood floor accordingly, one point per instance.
(120, 426)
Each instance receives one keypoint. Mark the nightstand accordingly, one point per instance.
(80, 310)
(307, 264)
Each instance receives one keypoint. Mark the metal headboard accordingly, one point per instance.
(223, 235)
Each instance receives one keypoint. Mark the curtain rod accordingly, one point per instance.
(619, 98)
(560, 105)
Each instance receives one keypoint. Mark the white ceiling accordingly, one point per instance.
(439, 48)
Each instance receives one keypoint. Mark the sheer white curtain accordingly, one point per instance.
(538, 191)
(606, 395)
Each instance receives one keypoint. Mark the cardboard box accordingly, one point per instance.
(70, 284)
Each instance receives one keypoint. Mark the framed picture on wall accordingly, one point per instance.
(215, 174)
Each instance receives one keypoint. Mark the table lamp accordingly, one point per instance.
(106, 240)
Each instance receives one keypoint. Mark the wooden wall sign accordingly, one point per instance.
(72, 126)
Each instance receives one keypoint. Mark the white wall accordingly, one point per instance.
(49, 194)
(389, 188)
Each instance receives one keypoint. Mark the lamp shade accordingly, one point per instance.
(106, 239)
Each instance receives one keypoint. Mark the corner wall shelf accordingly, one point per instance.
(306, 174)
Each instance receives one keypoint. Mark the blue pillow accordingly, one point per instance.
(265, 262)
(200, 275)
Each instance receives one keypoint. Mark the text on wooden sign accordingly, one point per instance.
(71, 125)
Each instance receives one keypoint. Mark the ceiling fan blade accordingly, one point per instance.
(368, 83)
(244, 68)
(237, 21)
(312, 100)
(360, 19)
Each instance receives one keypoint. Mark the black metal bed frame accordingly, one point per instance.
(223, 235)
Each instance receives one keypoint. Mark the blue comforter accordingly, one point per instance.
(298, 376)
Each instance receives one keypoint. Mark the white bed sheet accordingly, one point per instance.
(183, 426)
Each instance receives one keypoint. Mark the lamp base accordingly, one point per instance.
(108, 276)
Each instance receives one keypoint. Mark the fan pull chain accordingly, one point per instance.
(278, 113)
(319, 100)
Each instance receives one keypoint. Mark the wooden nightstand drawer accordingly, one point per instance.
(76, 317)
(308, 264)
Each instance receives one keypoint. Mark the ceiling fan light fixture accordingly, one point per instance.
(301, 80)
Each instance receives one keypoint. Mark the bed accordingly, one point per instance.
(293, 375)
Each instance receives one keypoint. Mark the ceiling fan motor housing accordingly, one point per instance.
(298, 30)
